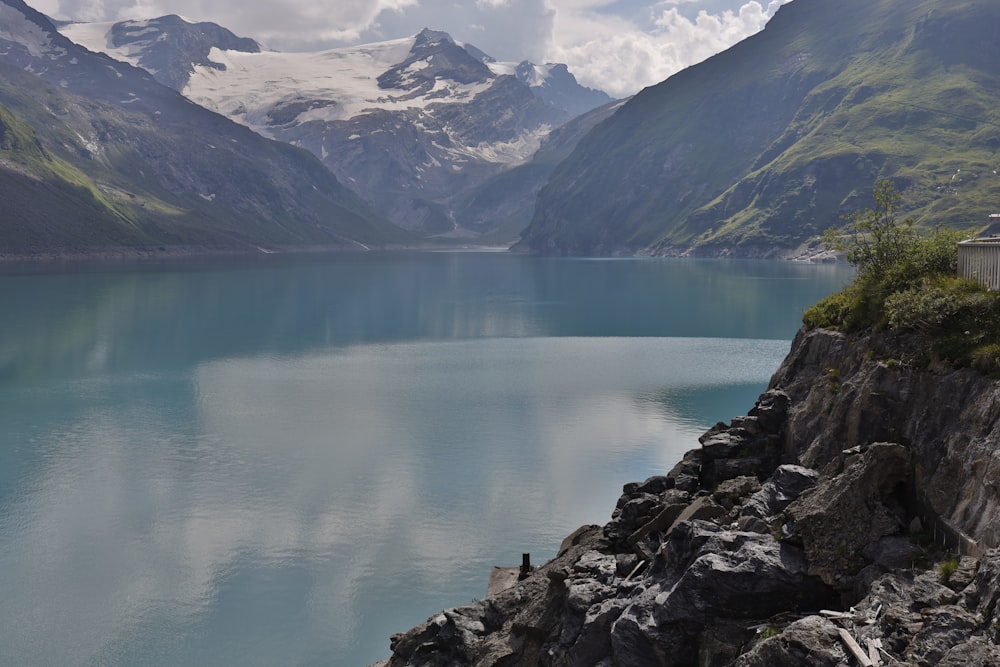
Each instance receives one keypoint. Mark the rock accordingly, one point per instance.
(811, 641)
(700, 509)
(687, 472)
(654, 485)
(637, 641)
(892, 553)
(741, 575)
(844, 514)
(771, 410)
(631, 513)
(983, 594)
(786, 484)
(594, 639)
(976, 652)
(661, 522)
(942, 629)
(963, 574)
(731, 492)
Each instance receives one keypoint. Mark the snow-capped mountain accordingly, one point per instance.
(96, 156)
(409, 123)
(169, 47)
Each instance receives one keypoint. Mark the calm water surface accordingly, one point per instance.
(284, 462)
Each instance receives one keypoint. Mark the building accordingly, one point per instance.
(979, 258)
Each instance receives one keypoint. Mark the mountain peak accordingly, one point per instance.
(434, 56)
(428, 37)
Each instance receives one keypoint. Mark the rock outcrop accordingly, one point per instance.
(851, 513)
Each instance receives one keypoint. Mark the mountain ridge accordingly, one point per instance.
(758, 149)
(409, 124)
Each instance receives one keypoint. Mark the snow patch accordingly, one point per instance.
(15, 27)
(93, 36)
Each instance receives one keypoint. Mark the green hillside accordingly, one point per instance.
(760, 148)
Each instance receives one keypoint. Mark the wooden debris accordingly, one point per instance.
(873, 615)
(635, 570)
(855, 648)
(873, 655)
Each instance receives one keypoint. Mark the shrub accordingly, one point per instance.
(947, 569)
(907, 283)
(986, 359)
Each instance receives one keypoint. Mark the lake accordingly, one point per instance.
(284, 461)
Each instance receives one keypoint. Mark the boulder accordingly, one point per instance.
(786, 484)
(741, 575)
(812, 641)
(848, 511)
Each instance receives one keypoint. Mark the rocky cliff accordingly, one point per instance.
(849, 518)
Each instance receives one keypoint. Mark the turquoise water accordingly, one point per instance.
(284, 462)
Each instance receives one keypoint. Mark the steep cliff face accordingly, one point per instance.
(817, 516)
(848, 392)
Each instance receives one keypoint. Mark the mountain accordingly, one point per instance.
(501, 207)
(758, 149)
(409, 124)
(95, 154)
(168, 47)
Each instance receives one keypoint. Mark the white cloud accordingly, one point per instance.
(621, 56)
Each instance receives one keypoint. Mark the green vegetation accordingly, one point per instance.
(907, 283)
(946, 569)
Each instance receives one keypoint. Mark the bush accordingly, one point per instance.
(986, 359)
(907, 283)
(941, 303)
(947, 569)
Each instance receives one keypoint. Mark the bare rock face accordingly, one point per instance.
(793, 536)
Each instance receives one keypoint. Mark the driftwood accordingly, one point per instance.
(635, 570)
(873, 655)
(855, 649)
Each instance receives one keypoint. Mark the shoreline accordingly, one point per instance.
(142, 254)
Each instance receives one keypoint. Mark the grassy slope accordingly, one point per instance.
(770, 142)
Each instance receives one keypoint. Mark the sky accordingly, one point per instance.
(618, 46)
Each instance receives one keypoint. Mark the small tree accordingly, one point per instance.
(891, 257)
(874, 240)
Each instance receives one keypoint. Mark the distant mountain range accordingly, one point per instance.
(759, 149)
(95, 155)
(409, 124)
(753, 152)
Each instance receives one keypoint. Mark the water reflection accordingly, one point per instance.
(176, 316)
(286, 464)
